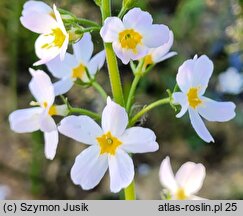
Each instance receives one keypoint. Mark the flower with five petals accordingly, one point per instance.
(53, 40)
(109, 146)
(40, 118)
(74, 66)
(132, 37)
(192, 78)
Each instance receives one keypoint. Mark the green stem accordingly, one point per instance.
(138, 74)
(86, 22)
(90, 29)
(81, 111)
(132, 92)
(130, 193)
(111, 60)
(105, 9)
(148, 108)
(150, 67)
(80, 21)
(122, 12)
(99, 88)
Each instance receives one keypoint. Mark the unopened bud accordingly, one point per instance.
(73, 35)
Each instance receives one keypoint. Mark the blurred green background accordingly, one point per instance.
(211, 27)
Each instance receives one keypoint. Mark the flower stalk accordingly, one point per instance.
(81, 111)
(148, 108)
(100, 89)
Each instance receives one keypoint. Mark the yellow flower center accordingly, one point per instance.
(53, 110)
(129, 39)
(58, 39)
(148, 60)
(180, 194)
(78, 72)
(193, 98)
(108, 143)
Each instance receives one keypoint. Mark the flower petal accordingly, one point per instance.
(25, 120)
(202, 72)
(114, 118)
(38, 22)
(51, 142)
(190, 177)
(216, 111)
(180, 98)
(41, 87)
(185, 75)
(89, 168)
(83, 49)
(60, 69)
(42, 52)
(63, 86)
(139, 140)
(47, 123)
(199, 126)
(59, 20)
(121, 170)
(167, 177)
(136, 18)
(155, 35)
(64, 48)
(125, 55)
(80, 128)
(111, 28)
(96, 63)
(37, 6)
(167, 56)
(120, 52)
(141, 51)
(158, 54)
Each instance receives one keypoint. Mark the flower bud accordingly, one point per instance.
(73, 35)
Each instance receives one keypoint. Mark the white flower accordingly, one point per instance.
(74, 66)
(132, 37)
(187, 181)
(53, 40)
(192, 78)
(4, 192)
(40, 118)
(230, 81)
(161, 53)
(109, 147)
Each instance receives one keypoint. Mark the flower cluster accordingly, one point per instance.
(134, 39)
